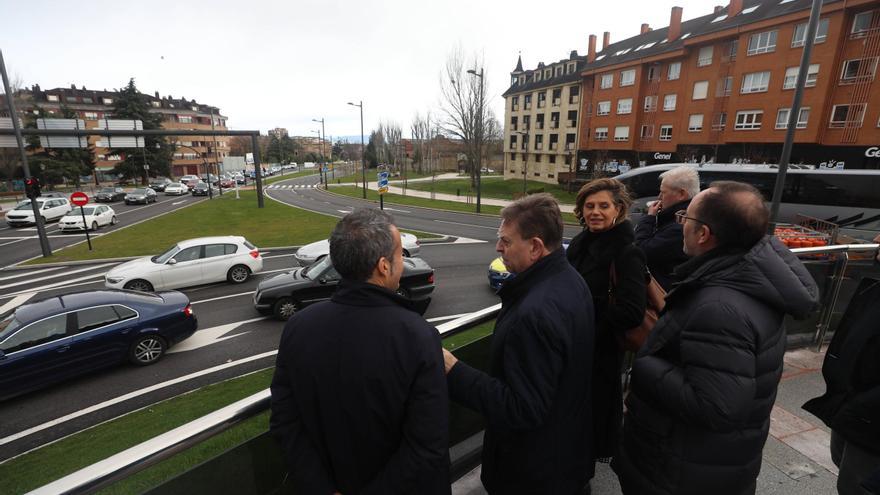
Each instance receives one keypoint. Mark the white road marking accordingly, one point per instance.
(16, 302)
(62, 285)
(223, 297)
(13, 242)
(213, 335)
(66, 273)
(467, 225)
(344, 211)
(395, 209)
(277, 256)
(131, 395)
(178, 203)
(27, 273)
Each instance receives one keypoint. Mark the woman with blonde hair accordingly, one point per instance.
(606, 244)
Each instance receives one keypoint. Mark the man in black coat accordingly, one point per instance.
(704, 383)
(657, 233)
(536, 396)
(359, 399)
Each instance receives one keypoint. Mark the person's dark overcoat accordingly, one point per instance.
(662, 241)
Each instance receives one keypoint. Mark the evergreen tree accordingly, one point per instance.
(273, 152)
(130, 104)
(54, 165)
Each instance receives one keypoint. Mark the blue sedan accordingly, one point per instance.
(60, 337)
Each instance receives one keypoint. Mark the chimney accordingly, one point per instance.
(591, 52)
(734, 8)
(645, 28)
(606, 40)
(718, 8)
(157, 96)
(674, 24)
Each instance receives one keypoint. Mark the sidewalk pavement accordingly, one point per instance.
(796, 459)
(394, 188)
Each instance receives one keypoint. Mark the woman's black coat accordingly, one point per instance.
(591, 254)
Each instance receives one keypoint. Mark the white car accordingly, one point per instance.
(96, 216)
(50, 209)
(311, 253)
(187, 263)
(176, 189)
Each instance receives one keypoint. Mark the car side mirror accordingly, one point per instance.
(172, 261)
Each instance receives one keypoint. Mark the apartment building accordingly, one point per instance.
(541, 119)
(720, 88)
(92, 106)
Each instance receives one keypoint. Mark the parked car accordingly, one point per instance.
(160, 183)
(96, 216)
(201, 189)
(110, 194)
(310, 253)
(144, 195)
(49, 208)
(175, 189)
(497, 273)
(287, 293)
(57, 338)
(187, 263)
(227, 183)
(190, 183)
(239, 178)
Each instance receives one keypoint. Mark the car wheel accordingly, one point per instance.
(406, 253)
(114, 220)
(284, 308)
(139, 284)
(238, 274)
(147, 349)
(94, 226)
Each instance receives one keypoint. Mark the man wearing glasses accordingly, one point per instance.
(704, 383)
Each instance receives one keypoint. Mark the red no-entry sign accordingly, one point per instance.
(79, 198)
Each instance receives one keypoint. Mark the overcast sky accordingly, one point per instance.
(269, 64)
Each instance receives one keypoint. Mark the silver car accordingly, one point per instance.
(313, 252)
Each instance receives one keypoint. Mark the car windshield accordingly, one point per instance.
(201, 185)
(88, 210)
(107, 190)
(139, 191)
(8, 325)
(26, 205)
(318, 268)
(162, 258)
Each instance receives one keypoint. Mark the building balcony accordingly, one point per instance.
(539, 125)
(554, 124)
(541, 104)
(573, 99)
(556, 101)
(554, 146)
(569, 146)
(572, 123)
(514, 108)
(539, 146)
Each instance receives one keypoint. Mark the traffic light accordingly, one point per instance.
(32, 187)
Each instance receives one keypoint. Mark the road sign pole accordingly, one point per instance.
(85, 227)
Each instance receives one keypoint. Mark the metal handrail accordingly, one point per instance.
(146, 454)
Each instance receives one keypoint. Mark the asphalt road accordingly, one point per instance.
(21, 243)
(233, 339)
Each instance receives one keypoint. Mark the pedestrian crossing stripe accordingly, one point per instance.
(295, 186)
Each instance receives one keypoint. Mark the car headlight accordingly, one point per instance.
(114, 280)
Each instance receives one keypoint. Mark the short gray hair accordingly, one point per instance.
(684, 178)
(359, 240)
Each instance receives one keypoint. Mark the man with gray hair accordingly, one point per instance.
(657, 233)
(359, 398)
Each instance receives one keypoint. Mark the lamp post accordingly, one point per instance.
(479, 135)
(360, 105)
(323, 156)
(524, 146)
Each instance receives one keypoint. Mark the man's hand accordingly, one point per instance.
(655, 208)
(448, 360)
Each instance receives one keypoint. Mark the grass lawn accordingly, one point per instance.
(357, 192)
(496, 187)
(357, 177)
(275, 225)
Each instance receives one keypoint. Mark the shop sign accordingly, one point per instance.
(663, 156)
(873, 152)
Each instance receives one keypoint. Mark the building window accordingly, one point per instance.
(847, 115)
(70, 99)
(572, 118)
(762, 43)
(861, 24)
(513, 123)
(155, 104)
(184, 119)
(669, 103)
(647, 132)
(791, 75)
(725, 86)
(107, 101)
(654, 73)
(695, 123)
(701, 90)
(513, 142)
(52, 97)
(606, 81)
(554, 120)
(755, 82)
(800, 33)
(539, 121)
(624, 106)
(861, 69)
(527, 102)
(569, 142)
(514, 103)
(651, 103)
(749, 120)
(537, 76)
(603, 108)
(601, 134)
(548, 73)
(705, 56)
(558, 71)
(539, 142)
(570, 69)
(527, 120)
(557, 97)
(573, 94)
(719, 121)
(627, 77)
(621, 133)
(90, 115)
(673, 72)
(542, 99)
(665, 133)
(732, 48)
(86, 99)
(783, 114)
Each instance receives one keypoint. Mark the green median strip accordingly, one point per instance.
(496, 188)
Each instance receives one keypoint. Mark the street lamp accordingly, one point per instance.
(363, 157)
(524, 146)
(323, 155)
(479, 136)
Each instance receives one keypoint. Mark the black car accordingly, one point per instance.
(286, 293)
(158, 184)
(110, 194)
(58, 338)
(200, 189)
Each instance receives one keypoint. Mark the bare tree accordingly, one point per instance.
(393, 134)
(239, 145)
(464, 108)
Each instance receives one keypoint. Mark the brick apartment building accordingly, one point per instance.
(719, 87)
(92, 106)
